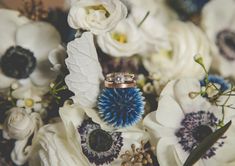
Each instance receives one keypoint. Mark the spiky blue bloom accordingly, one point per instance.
(224, 85)
(121, 107)
(187, 8)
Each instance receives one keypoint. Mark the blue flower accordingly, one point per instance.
(224, 85)
(121, 107)
(187, 8)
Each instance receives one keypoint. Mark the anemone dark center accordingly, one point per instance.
(100, 140)
(201, 132)
(226, 44)
(18, 62)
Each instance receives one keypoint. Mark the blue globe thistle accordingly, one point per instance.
(187, 8)
(224, 85)
(121, 107)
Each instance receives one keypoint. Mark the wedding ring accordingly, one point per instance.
(120, 80)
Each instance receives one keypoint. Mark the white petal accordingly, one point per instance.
(155, 129)
(85, 71)
(165, 153)
(183, 88)
(57, 58)
(169, 113)
(72, 114)
(10, 20)
(39, 37)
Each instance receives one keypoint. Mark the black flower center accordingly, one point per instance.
(226, 44)
(18, 62)
(201, 132)
(100, 140)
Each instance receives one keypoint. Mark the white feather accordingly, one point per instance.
(85, 71)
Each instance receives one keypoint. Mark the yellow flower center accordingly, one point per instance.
(120, 37)
(166, 53)
(29, 102)
(99, 8)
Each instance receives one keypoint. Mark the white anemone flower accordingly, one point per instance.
(123, 41)
(82, 141)
(182, 122)
(24, 48)
(97, 16)
(218, 21)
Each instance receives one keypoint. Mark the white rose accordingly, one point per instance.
(18, 124)
(186, 41)
(124, 40)
(97, 16)
(218, 21)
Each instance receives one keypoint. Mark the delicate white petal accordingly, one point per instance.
(72, 114)
(165, 154)
(85, 71)
(156, 130)
(10, 20)
(57, 58)
(183, 88)
(38, 37)
(169, 113)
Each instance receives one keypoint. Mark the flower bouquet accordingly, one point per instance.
(118, 83)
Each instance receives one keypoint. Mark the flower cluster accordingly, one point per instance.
(117, 83)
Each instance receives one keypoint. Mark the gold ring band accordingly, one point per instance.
(120, 80)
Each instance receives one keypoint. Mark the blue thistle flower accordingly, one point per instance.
(224, 85)
(121, 107)
(187, 8)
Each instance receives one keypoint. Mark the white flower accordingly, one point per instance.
(124, 40)
(153, 29)
(18, 124)
(24, 48)
(52, 148)
(85, 71)
(97, 16)
(63, 143)
(87, 136)
(186, 40)
(218, 21)
(29, 97)
(182, 122)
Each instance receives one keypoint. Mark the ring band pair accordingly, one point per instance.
(120, 80)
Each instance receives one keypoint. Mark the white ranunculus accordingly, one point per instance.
(153, 29)
(39, 38)
(97, 16)
(218, 21)
(180, 123)
(124, 40)
(186, 41)
(18, 124)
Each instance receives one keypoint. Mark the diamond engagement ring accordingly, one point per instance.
(120, 80)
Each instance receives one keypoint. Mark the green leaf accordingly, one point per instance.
(201, 149)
